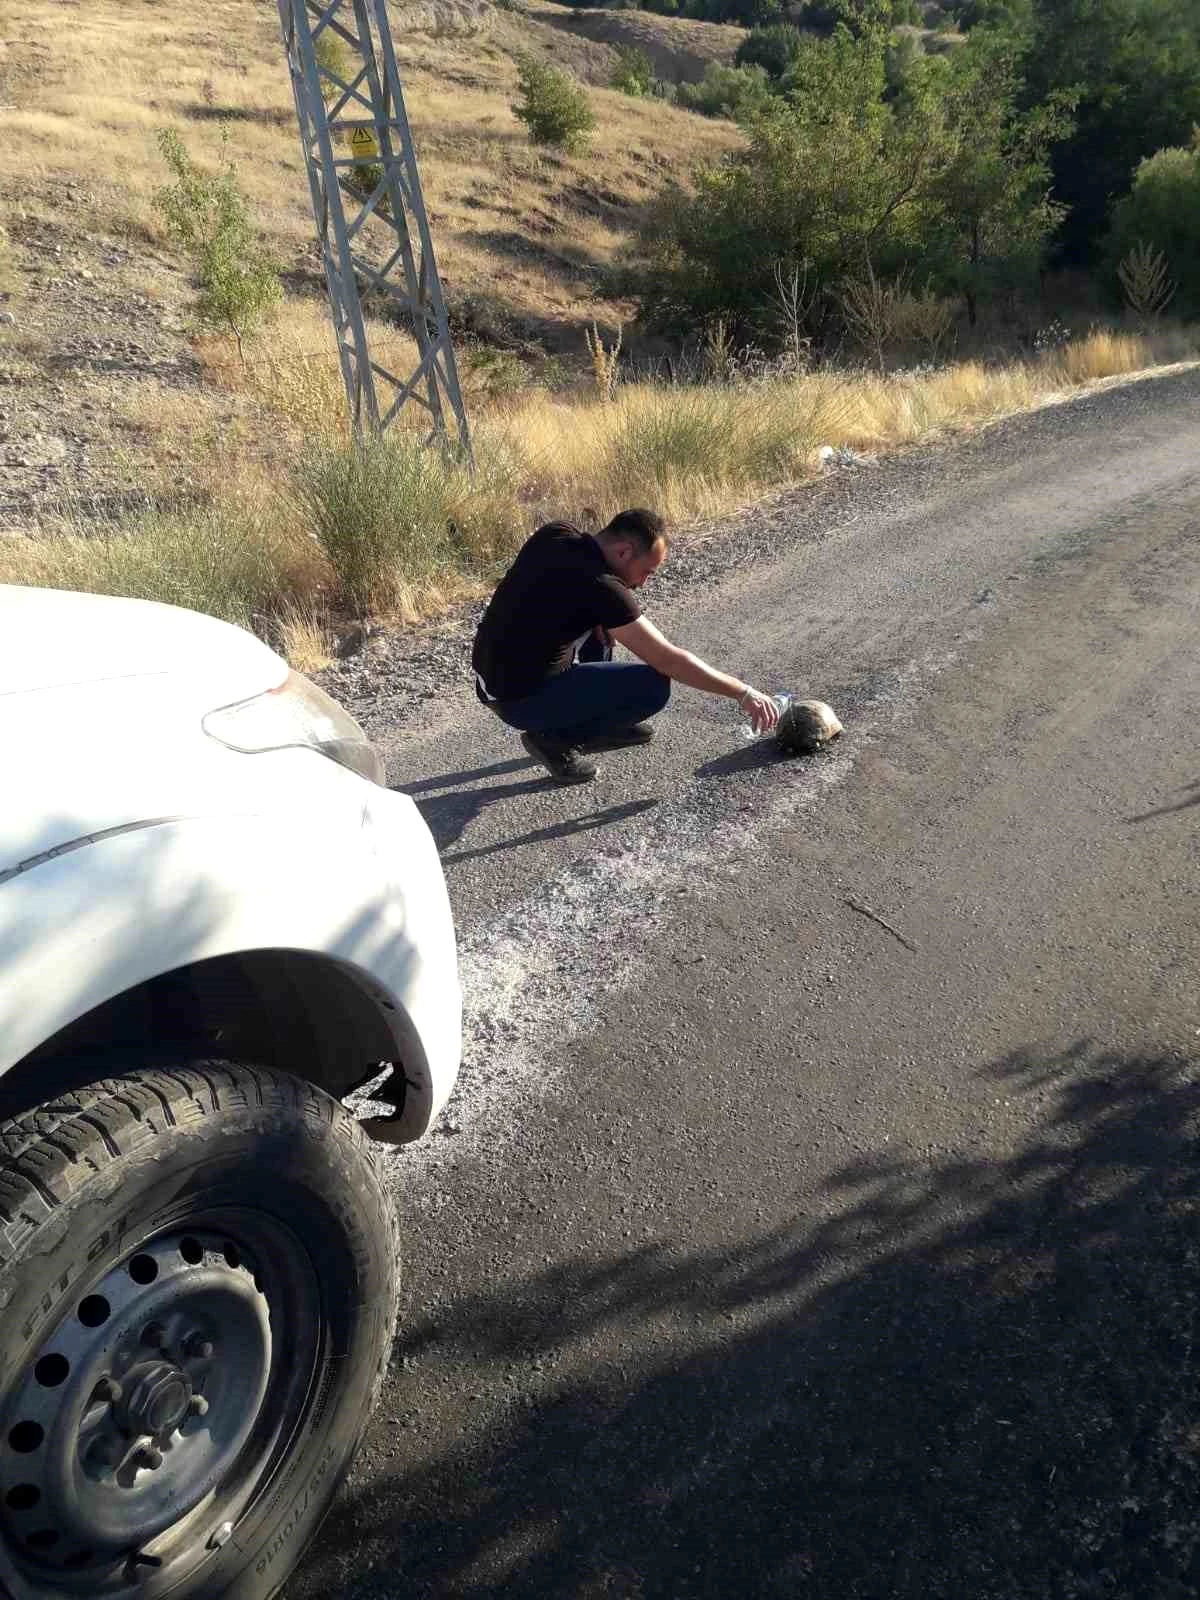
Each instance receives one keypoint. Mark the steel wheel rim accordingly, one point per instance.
(149, 1415)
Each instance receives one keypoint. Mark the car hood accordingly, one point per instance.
(50, 638)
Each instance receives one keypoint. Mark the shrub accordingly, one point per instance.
(333, 55)
(1162, 212)
(831, 175)
(605, 361)
(490, 373)
(206, 214)
(888, 317)
(634, 71)
(1145, 280)
(725, 91)
(380, 509)
(669, 438)
(552, 106)
(773, 48)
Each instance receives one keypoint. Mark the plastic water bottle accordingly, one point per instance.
(783, 701)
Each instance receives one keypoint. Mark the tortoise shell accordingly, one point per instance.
(805, 726)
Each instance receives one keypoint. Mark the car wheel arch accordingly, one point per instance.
(310, 1014)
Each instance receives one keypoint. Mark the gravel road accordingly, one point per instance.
(816, 1215)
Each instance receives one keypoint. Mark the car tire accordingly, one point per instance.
(198, 1275)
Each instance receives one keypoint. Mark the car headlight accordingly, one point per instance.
(296, 713)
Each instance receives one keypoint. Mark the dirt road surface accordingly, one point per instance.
(818, 1213)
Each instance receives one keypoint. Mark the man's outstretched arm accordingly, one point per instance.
(657, 651)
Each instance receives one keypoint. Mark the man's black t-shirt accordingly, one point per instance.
(557, 590)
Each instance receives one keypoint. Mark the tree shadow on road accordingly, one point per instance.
(965, 1379)
(1191, 797)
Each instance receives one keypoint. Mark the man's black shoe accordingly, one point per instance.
(620, 738)
(562, 761)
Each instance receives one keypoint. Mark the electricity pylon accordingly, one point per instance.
(359, 127)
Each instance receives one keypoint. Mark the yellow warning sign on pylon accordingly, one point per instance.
(363, 145)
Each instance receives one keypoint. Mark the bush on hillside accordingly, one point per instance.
(1162, 212)
(633, 73)
(552, 106)
(206, 214)
(725, 91)
(773, 48)
(333, 56)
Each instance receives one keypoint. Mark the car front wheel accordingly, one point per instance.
(198, 1285)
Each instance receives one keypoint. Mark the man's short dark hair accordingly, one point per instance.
(644, 528)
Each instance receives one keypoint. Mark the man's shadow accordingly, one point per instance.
(449, 813)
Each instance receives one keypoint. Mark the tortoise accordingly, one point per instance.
(806, 726)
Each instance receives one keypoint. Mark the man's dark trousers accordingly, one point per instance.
(593, 698)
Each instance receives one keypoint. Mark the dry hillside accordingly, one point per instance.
(103, 391)
(679, 50)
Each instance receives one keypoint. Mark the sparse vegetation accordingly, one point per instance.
(394, 530)
(234, 565)
(890, 318)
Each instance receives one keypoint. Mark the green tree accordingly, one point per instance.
(552, 106)
(904, 52)
(1135, 65)
(1162, 211)
(990, 210)
(206, 214)
(725, 91)
(773, 48)
(833, 176)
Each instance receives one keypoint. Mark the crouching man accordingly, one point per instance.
(543, 651)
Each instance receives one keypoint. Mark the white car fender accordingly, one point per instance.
(73, 925)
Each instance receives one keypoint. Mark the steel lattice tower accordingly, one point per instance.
(369, 109)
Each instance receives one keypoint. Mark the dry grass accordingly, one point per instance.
(210, 559)
(399, 533)
(305, 637)
(678, 50)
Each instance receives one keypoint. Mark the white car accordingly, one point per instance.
(214, 924)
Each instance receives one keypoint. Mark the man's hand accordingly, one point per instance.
(761, 709)
(645, 641)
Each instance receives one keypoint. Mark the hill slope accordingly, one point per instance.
(101, 389)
